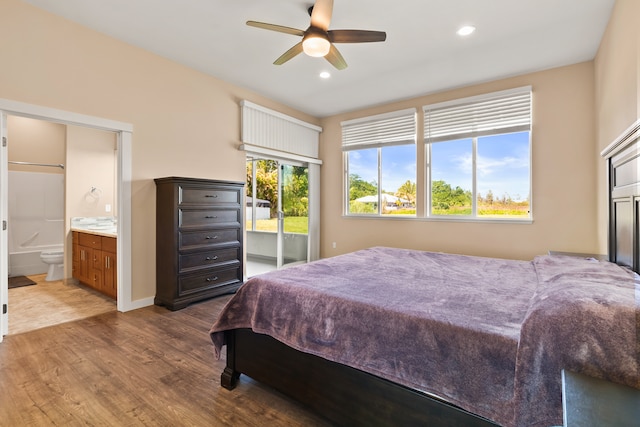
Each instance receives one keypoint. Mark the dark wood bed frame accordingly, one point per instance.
(342, 394)
(347, 396)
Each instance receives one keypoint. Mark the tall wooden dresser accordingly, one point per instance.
(198, 239)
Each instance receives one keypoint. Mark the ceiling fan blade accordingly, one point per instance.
(321, 14)
(278, 28)
(295, 50)
(356, 36)
(336, 59)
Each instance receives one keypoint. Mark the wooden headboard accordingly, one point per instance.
(623, 163)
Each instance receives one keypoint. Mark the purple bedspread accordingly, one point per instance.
(488, 335)
(584, 317)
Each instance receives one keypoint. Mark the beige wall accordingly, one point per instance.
(617, 82)
(35, 141)
(564, 203)
(579, 110)
(185, 123)
(91, 161)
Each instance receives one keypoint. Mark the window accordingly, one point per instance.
(479, 156)
(380, 164)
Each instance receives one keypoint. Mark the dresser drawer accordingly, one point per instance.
(206, 217)
(196, 239)
(207, 259)
(204, 196)
(198, 282)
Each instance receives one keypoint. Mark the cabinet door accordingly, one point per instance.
(75, 266)
(96, 279)
(90, 267)
(85, 261)
(109, 269)
(95, 270)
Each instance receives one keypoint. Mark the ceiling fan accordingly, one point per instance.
(318, 40)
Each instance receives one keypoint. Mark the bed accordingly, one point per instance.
(388, 336)
(483, 338)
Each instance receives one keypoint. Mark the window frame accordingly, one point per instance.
(397, 128)
(474, 134)
(426, 160)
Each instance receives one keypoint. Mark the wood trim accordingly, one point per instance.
(38, 112)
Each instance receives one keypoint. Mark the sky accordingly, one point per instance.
(398, 165)
(503, 165)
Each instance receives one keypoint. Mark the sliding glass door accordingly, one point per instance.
(277, 214)
(293, 228)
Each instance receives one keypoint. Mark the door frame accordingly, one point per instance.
(124, 132)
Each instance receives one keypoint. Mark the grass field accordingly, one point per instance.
(292, 224)
(495, 210)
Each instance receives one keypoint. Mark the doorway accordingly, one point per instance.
(52, 169)
(277, 214)
(124, 178)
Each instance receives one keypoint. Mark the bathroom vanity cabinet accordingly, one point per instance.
(95, 262)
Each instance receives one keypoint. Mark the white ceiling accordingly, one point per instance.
(422, 53)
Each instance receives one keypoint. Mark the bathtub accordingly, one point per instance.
(25, 261)
(36, 220)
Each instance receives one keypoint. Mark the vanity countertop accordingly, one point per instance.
(101, 226)
(107, 233)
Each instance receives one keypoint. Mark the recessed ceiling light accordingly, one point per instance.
(325, 75)
(466, 30)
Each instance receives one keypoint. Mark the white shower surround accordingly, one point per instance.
(36, 219)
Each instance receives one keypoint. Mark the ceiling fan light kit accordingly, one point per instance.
(316, 45)
(317, 40)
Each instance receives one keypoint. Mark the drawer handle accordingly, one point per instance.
(214, 258)
(209, 279)
(211, 195)
(209, 237)
(211, 216)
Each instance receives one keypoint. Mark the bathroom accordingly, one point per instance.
(56, 172)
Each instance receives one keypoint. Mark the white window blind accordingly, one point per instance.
(396, 128)
(272, 130)
(499, 112)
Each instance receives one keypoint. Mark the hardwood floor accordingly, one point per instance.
(52, 303)
(147, 367)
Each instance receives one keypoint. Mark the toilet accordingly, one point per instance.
(55, 259)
